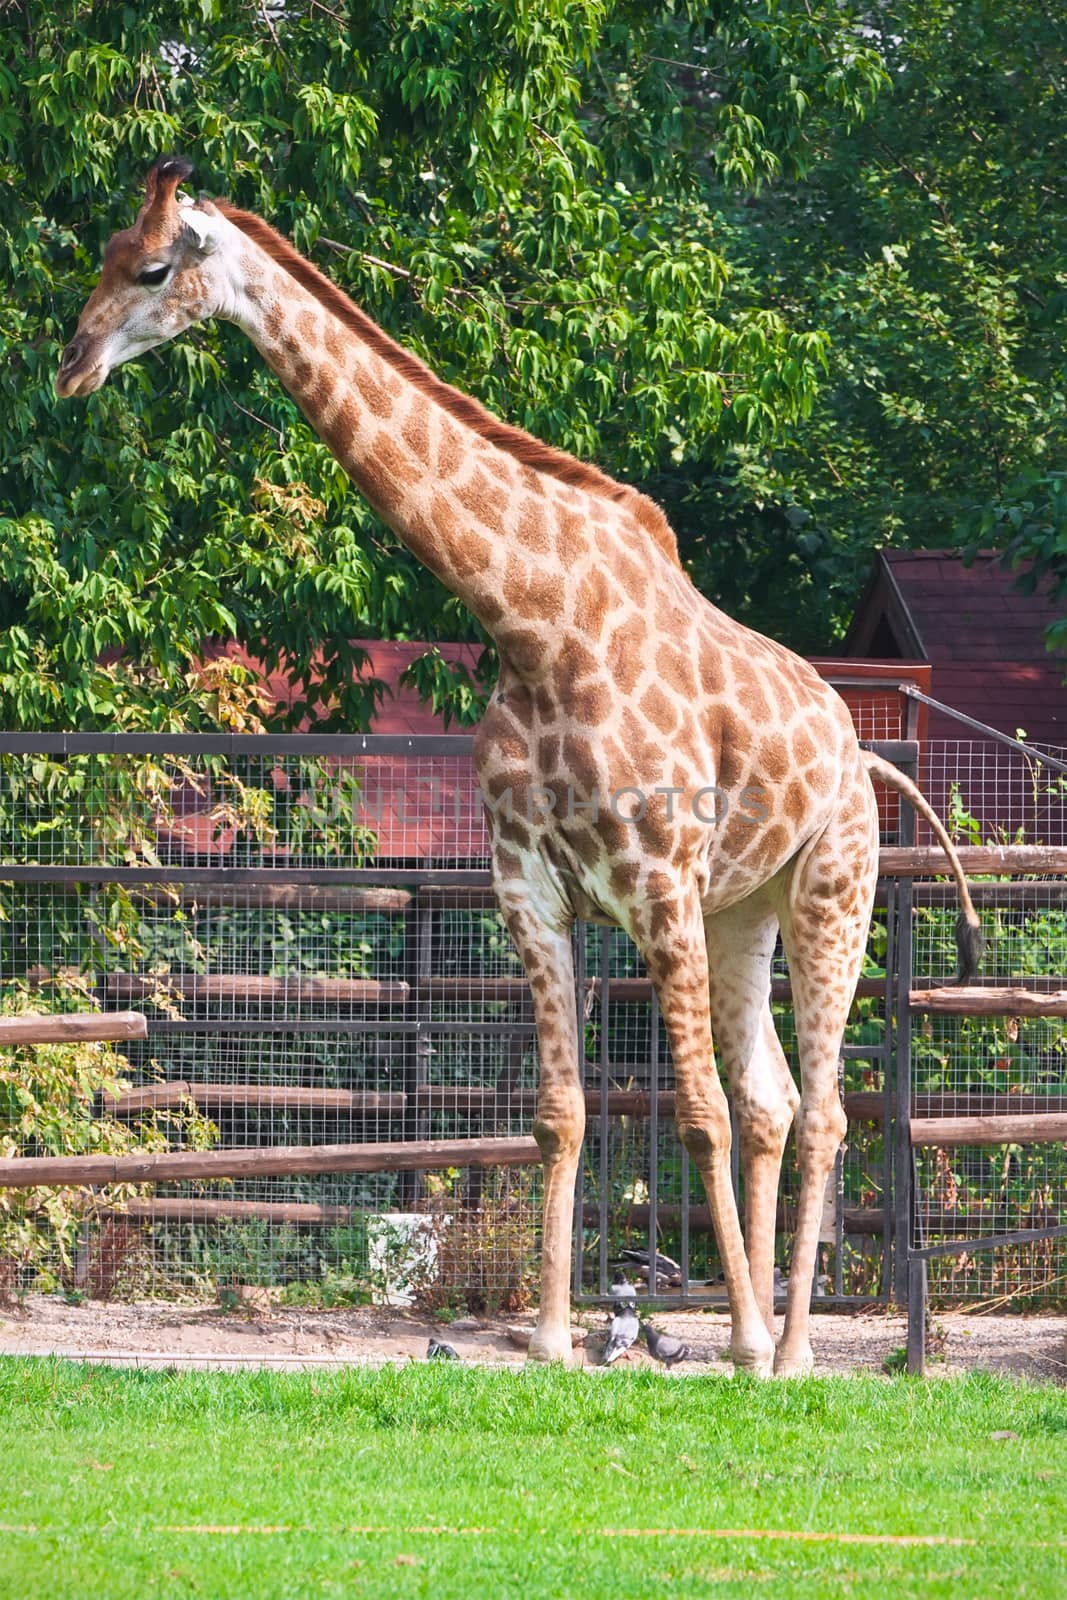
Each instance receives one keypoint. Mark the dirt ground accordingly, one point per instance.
(162, 1333)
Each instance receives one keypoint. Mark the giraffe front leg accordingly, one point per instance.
(680, 975)
(559, 1124)
(559, 1128)
(704, 1128)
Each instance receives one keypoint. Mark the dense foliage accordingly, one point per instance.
(793, 269)
(928, 243)
(54, 1102)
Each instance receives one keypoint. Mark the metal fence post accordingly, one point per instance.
(902, 1153)
(892, 987)
(580, 997)
(604, 1208)
(917, 1296)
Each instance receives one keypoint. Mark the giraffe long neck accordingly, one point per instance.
(502, 536)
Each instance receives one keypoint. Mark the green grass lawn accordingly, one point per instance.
(453, 1483)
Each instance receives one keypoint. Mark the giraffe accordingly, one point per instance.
(645, 761)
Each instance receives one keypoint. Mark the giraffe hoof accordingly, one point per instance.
(798, 1366)
(549, 1346)
(757, 1363)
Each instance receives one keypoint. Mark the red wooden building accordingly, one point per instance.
(981, 640)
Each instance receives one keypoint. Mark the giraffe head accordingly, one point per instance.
(158, 277)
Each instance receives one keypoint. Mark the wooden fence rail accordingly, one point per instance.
(173, 1166)
(1039, 1127)
(990, 1002)
(173, 1094)
(79, 1027)
(918, 861)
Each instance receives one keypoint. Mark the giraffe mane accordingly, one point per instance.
(516, 442)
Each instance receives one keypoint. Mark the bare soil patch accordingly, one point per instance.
(156, 1332)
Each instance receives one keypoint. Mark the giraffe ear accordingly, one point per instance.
(198, 229)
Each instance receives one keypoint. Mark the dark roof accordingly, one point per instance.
(983, 636)
(967, 613)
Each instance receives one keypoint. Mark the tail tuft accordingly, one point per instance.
(970, 943)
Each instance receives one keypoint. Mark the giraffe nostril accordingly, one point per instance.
(72, 352)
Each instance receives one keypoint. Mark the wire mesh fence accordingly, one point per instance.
(308, 928)
(990, 793)
(993, 1065)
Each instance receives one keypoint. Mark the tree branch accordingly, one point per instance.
(265, 14)
(916, 177)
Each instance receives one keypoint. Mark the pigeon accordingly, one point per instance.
(438, 1350)
(622, 1332)
(623, 1293)
(664, 1346)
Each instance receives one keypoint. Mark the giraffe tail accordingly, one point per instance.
(970, 941)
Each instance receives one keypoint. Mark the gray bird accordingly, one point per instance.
(623, 1331)
(664, 1346)
(623, 1292)
(438, 1350)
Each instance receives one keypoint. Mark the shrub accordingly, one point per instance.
(53, 1102)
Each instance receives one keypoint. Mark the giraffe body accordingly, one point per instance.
(645, 760)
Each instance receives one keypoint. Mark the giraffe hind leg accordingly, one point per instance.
(824, 929)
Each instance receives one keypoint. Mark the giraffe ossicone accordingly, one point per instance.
(616, 676)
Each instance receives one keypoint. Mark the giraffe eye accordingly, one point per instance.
(153, 276)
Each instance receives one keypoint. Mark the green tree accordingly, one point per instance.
(527, 192)
(929, 243)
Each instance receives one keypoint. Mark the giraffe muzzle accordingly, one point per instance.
(78, 372)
